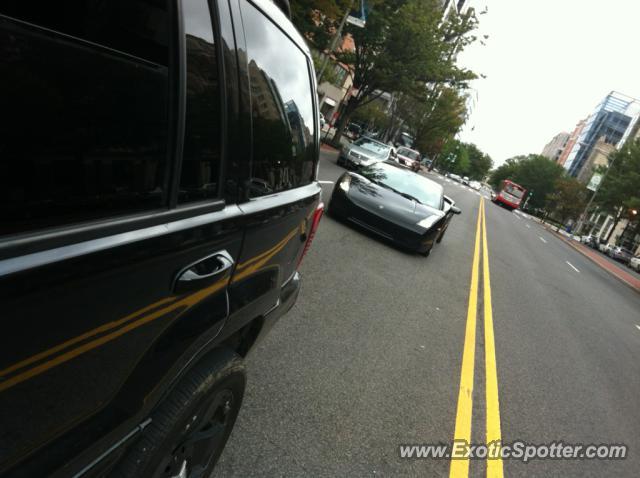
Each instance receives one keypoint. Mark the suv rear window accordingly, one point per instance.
(282, 107)
(86, 109)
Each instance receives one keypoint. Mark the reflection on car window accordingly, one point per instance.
(282, 107)
(406, 182)
(87, 136)
(201, 156)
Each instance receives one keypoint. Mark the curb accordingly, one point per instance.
(619, 277)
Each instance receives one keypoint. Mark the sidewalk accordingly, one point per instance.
(608, 266)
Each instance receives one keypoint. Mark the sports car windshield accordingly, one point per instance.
(379, 149)
(406, 183)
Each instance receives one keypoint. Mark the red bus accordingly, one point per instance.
(510, 195)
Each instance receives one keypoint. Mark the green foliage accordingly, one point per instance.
(465, 159)
(405, 46)
(568, 199)
(435, 118)
(318, 19)
(372, 115)
(329, 72)
(536, 173)
(621, 187)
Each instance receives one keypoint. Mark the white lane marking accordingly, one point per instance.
(573, 267)
(638, 327)
(528, 226)
(542, 239)
(325, 182)
(518, 217)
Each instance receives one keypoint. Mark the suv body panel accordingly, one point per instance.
(96, 331)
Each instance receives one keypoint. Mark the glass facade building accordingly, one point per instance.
(613, 119)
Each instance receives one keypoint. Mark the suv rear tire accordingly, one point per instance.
(192, 425)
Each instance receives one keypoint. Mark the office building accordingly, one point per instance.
(614, 118)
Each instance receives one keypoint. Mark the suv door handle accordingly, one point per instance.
(203, 272)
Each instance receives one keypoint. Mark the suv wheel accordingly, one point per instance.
(191, 426)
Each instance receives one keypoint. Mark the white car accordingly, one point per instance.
(475, 185)
(605, 248)
(634, 263)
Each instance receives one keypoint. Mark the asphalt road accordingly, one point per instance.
(370, 357)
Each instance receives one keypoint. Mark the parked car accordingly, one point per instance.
(604, 247)
(634, 263)
(394, 203)
(139, 260)
(621, 254)
(363, 152)
(589, 240)
(409, 158)
(475, 185)
(465, 180)
(455, 177)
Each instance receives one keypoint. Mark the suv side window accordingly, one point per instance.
(199, 177)
(85, 95)
(282, 107)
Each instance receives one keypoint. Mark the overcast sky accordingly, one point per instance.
(548, 63)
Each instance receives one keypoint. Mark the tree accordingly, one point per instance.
(568, 199)
(479, 163)
(406, 47)
(372, 115)
(506, 170)
(465, 159)
(435, 123)
(536, 173)
(620, 189)
(317, 20)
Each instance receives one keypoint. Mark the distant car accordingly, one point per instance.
(394, 203)
(604, 247)
(621, 254)
(455, 177)
(475, 185)
(634, 263)
(409, 158)
(591, 241)
(363, 152)
(465, 180)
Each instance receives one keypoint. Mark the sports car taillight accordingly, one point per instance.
(315, 221)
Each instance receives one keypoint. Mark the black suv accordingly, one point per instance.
(157, 193)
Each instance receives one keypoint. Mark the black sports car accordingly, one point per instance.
(395, 203)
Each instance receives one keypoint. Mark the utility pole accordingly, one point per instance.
(334, 42)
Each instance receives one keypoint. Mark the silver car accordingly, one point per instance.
(621, 254)
(604, 247)
(634, 263)
(363, 152)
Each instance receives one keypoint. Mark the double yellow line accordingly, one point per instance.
(460, 466)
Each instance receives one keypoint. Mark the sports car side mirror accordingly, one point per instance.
(456, 210)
